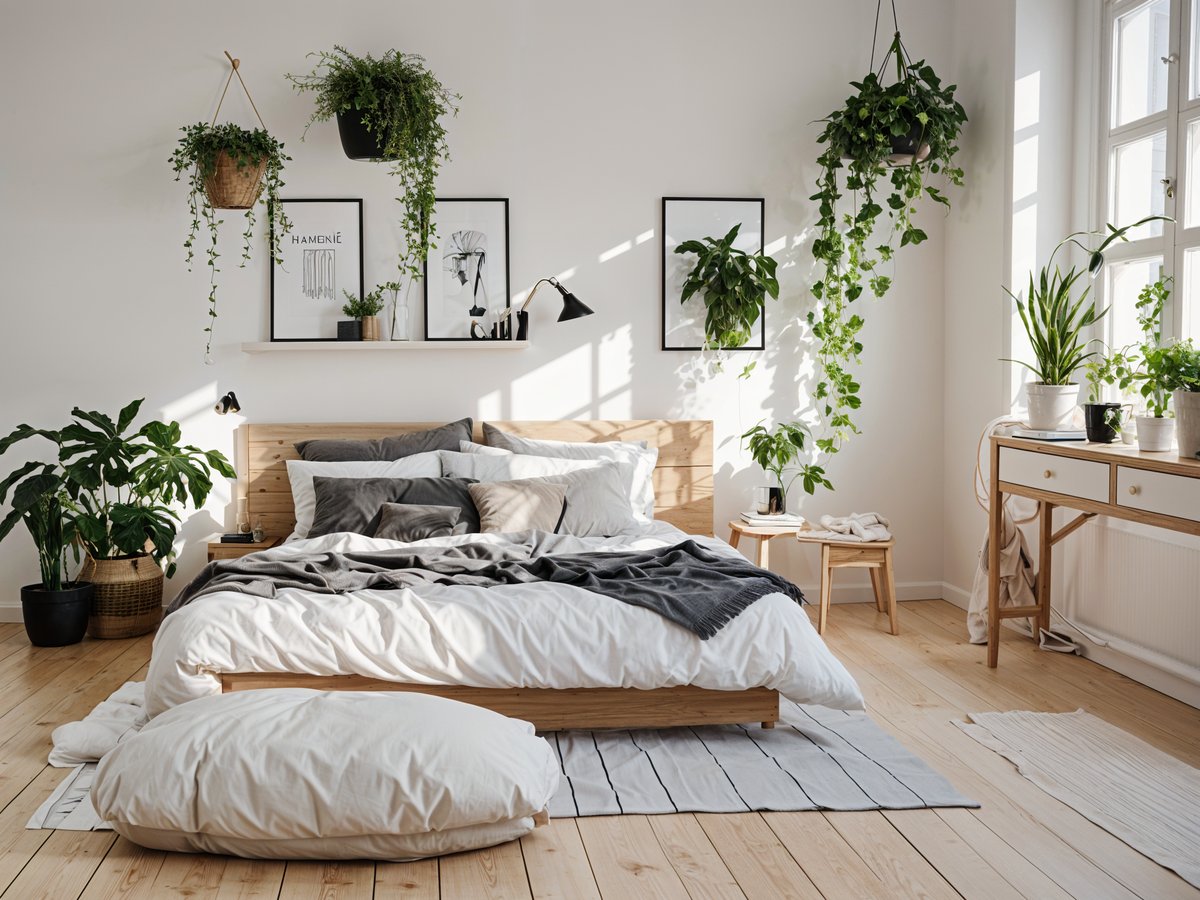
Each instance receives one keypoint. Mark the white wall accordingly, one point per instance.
(584, 115)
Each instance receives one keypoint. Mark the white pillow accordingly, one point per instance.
(481, 449)
(301, 475)
(302, 774)
(597, 491)
(640, 459)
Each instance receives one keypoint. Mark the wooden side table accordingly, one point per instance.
(875, 556)
(763, 533)
(217, 550)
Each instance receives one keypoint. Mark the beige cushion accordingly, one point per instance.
(531, 504)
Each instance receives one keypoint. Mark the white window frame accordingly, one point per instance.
(1180, 112)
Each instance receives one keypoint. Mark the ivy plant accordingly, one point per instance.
(734, 285)
(866, 141)
(777, 450)
(398, 99)
(195, 158)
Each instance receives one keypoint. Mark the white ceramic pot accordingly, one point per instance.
(1155, 435)
(1187, 423)
(1051, 405)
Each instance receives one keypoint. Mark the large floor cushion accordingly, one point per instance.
(304, 774)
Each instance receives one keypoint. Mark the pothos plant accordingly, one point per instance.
(889, 140)
(777, 450)
(734, 286)
(399, 100)
(197, 156)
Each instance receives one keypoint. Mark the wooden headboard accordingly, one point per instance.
(683, 478)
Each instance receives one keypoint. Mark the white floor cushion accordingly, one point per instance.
(303, 774)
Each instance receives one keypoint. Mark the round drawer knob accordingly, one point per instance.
(1047, 474)
(1134, 490)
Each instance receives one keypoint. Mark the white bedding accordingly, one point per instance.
(526, 635)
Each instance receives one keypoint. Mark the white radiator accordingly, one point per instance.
(1137, 588)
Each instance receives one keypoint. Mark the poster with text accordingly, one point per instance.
(322, 256)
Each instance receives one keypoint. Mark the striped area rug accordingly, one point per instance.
(815, 758)
(1147, 798)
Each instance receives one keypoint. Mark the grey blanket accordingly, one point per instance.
(693, 587)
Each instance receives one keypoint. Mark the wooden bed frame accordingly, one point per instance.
(683, 480)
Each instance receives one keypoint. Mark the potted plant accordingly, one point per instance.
(777, 450)
(388, 109)
(228, 167)
(1180, 364)
(888, 139)
(1056, 322)
(1102, 419)
(55, 610)
(120, 489)
(366, 310)
(1150, 368)
(734, 285)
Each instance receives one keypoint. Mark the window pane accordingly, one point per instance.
(1191, 293)
(1194, 80)
(1192, 161)
(1140, 40)
(1137, 191)
(1125, 282)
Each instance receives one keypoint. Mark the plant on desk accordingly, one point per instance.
(1104, 419)
(777, 451)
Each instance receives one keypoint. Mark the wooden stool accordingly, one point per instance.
(875, 556)
(763, 533)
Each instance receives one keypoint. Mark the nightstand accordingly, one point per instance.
(217, 550)
(763, 533)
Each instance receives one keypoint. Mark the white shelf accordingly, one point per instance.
(377, 346)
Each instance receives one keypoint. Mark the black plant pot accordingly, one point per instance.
(349, 330)
(56, 618)
(1095, 418)
(357, 142)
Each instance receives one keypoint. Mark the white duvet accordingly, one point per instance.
(526, 635)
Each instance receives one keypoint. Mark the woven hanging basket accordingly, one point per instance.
(128, 598)
(231, 187)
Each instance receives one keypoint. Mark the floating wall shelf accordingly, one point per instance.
(377, 346)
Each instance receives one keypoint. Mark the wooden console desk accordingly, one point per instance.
(1097, 479)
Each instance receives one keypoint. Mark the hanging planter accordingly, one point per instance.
(229, 167)
(879, 151)
(388, 109)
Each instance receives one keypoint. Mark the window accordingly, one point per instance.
(1151, 159)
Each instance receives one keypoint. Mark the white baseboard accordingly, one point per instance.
(10, 611)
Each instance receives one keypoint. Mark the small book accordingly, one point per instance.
(782, 520)
(1033, 434)
(237, 539)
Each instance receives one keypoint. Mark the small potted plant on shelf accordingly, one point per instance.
(229, 167)
(1180, 364)
(121, 490)
(1151, 369)
(1104, 419)
(734, 285)
(366, 311)
(1056, 320)
(388, 109)
(56, 609)
(777, 451)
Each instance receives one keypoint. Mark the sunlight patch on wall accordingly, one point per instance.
(1027, 100)
(616, 251)
(553, 391)
(1025, 168)
(490, 406)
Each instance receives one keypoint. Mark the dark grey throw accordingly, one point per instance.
(693, 587)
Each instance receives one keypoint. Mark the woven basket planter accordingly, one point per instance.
(230, 187)
(128, 597)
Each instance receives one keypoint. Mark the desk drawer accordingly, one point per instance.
(1167, 495)
(1060, 474)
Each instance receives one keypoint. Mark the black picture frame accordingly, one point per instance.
(357, 218)
(669, 252)
(443, 238)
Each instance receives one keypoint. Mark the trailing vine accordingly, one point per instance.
(196, 156)
(889, 140)
(401, 101)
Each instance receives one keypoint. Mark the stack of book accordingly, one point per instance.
(782, 520)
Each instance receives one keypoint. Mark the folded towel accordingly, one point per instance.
(862, 527)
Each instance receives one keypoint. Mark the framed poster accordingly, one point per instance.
(695, 218)
(466, 274)
(322, 256)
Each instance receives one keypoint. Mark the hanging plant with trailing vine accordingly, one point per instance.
(889, 140)
(400, 101)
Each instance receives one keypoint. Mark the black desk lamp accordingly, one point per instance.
(573, 308)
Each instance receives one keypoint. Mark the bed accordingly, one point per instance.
(562, 664)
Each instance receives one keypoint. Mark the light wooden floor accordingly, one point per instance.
(1022, 843)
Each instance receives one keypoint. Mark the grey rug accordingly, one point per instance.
(815, 758)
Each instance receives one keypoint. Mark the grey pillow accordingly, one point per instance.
(356, 504)
(444, 437)
(415, 522)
